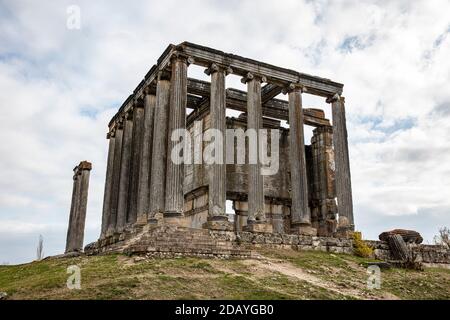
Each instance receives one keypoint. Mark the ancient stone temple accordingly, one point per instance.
(176, 162)
(144, 186)
(77, 217)
(309, 193)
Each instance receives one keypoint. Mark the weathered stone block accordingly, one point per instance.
(259, 227)
(218, 225)
(303, 230)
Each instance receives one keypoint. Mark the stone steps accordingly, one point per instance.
(186, 241)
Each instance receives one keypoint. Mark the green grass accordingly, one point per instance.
(334, 276)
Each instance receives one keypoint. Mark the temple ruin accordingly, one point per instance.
(310, 193)
(144, 186)
(154, 205)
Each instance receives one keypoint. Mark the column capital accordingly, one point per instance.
(294, 87)
(335, 98)
(216, 68)
(164, 74)
(181, 56)
(119, 123)
(111, 133)
(150, 90)
(129, 113)
(250, 76)
(138, 102)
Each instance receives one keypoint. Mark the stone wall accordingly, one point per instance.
(199, 242)
(171, 240)
(428, 254)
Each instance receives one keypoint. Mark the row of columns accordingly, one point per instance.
(143, 183)
(137, 159)
(77, 217)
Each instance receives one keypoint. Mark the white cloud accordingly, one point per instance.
(59, 87)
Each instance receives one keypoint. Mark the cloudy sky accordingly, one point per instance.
(59, 87)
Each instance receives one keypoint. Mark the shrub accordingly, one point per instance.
(360, 247)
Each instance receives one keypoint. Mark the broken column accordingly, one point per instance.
(77, 218)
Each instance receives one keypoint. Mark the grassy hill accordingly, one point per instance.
(279, 275)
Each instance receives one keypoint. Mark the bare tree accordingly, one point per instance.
(40, 248)
(443, 238)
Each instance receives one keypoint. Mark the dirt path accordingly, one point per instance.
(294, 272)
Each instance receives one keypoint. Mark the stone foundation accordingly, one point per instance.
(162, 239)
(165, 240)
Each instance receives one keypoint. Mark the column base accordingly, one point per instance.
(116, 236)
(142, 219)
(154, 220)
(258, 226)
(303, 229)
(173, 218)
(218, 223)
(109, 233)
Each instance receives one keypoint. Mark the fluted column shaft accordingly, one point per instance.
(124, 182)
(300, 212)
(118, 140)
(342, 162)
(143, 194)
(82, 206)
(73, 204)
(108, 184)
(77, 217)
(255, 179)
(217, 177)
(174, 201)
(159, 152)
(138, 127)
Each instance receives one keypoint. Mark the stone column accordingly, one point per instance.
(277, 218)
(124, 182)
(75, 234)
(300, 213)
(241, 215)
(217, 218)
(256, 212)
(108, 183)
(143, 194)
(136, 147)
(174, 201)
(323, 195)
(342, 163)
(85, 169)
(73, 209)
(159, 152)
(118, 139)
